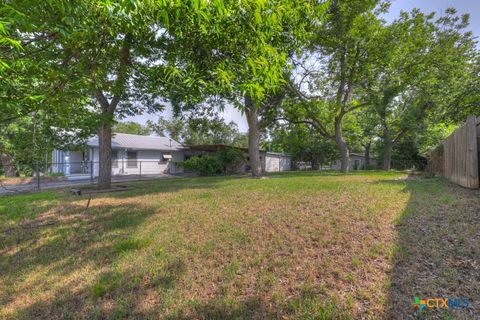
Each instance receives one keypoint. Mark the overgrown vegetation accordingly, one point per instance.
(204, 165)
(297, 245)
(336, 70)
(218, 163)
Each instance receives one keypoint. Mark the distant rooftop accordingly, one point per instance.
(137, 142)
(211, 147)
(217, 147)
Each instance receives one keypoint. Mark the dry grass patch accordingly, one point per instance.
(294, 246)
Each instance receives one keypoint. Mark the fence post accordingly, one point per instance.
(37, 172)
(140, 178)
(91, 171)
(472, 171)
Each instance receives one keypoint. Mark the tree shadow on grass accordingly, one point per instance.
(59, 244)
(217, 309)
(17, 207)
(437, 251)
(59, 238)
(161, 186)
(112, 295)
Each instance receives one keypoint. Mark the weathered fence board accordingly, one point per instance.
(461, 155)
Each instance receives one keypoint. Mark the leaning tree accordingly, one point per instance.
(326, 85)
(240, 56)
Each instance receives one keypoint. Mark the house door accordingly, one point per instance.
(85, 162)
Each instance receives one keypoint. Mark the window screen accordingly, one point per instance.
(115, 158)
(131, 159)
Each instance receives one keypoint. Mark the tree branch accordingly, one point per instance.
(314, 124)
(102, 100)
(122, 73)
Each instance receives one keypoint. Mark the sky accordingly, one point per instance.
(463, 6)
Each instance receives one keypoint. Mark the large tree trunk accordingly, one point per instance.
(342, 145)
(105, 155)
(253, 137)
(8, 165)
(367, 154)
(108, 110)
(387, 152)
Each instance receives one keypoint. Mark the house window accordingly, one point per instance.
(131, 159)
(166, 157)
(115, 158)
(356, 164)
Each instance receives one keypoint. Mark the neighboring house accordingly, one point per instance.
(135, 154)
(356, 162)
(270, 161)
(131, 154)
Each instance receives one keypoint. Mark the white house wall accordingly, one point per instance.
(336, 165)
(177, 156)
(57, 161)
(277, 162)
(285, 163)
(75, 159)
(148, 161)
(94, 157)
(272, 164)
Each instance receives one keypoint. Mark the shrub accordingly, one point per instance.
(229, 156)
(204, 165)
(208, 165)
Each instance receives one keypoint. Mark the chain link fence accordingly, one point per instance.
(62, 174)
(399, 165)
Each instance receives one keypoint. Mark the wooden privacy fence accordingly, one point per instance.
(457, 158)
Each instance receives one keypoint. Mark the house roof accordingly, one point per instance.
(217, 147)
(212, 147)
(137, 142)
(278, 154)
(357, 154)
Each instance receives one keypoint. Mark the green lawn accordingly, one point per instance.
(296, 245)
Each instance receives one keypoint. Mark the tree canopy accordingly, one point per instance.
(200, 130)
(306, 74)
(132, 127)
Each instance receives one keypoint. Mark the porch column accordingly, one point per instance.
(67, 163)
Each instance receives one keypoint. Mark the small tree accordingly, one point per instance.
(218, 163)
(204, 165)
(230, 156)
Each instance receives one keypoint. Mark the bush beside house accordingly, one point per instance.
(215, 164)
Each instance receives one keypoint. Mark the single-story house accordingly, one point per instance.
(270, 161)
(136, 154)
(131, 154)
(356, 162)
